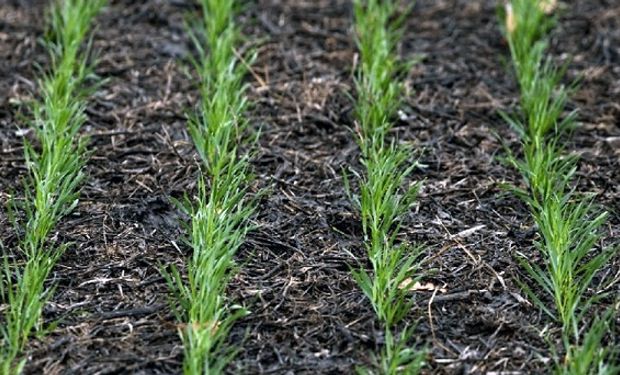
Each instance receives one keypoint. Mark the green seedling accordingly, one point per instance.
(568, 224)
(384, 194)
(55, 167)
(220, 211)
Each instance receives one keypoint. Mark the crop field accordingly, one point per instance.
(310, 187)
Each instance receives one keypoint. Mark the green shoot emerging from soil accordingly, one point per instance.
(55, 167)
(384, 196)
(568, 224)
(220, 212)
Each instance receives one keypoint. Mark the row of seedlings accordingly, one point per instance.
(385, 193)
(220, 210)
(568, 223)
(55, 161)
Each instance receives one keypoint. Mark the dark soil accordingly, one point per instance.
(308, 315)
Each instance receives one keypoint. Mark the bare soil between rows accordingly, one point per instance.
(308, 316)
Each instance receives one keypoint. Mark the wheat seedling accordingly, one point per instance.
(568, 224)
(219, 213)
(384, 196)
(55, 167)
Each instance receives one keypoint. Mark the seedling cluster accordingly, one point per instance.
(568, 223)
(220, 211)
(55, 164)
(385, 193)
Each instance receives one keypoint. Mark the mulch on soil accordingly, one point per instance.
(308, 316)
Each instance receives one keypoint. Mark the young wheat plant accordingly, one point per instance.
(568, 224)
(219, 214)
(384, 196)
(55, 167)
